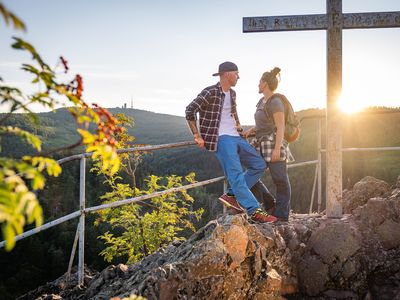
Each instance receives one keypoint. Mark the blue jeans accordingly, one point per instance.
(232, 153)
(280, 178)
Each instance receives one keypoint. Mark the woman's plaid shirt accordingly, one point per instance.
(266, 144)
(209, 106)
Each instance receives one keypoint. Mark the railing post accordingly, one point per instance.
(319, 146)
(81, 267)
(225, 190)
(313, 189)
(71, 259)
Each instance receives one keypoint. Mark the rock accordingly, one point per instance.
(270, 287)
(363, 190)
(395, 194)
(51, 297)
(349, 269)
(384, 286)
(374, 212)
(62, 288)
(345, 244)
(235, 241)
(389, 234)
(356, 257)
(313, 275)
(341, 294)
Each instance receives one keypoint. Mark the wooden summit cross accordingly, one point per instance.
(333, 21)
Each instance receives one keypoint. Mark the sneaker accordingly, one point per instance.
(261, 216)
(231, 202)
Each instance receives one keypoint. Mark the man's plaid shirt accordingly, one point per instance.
(209, 106)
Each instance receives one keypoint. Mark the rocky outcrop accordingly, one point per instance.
(363, 190)
(309, 257)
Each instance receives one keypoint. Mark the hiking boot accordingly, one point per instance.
(283, 219)
(230, 201)
(260, 216)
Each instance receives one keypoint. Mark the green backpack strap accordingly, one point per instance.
(267, 113)
(292, 123)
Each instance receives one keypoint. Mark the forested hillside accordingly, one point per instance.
(45, 256)
(370, 129)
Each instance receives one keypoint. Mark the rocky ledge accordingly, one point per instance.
(309, 257)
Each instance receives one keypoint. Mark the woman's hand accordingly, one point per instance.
(276, 155)
(279, 120)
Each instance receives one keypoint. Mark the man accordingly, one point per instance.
(220, 133)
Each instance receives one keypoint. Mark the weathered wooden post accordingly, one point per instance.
(333, 21)
(333, 122)
(319, 147)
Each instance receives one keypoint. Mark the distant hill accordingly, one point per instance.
(156, 128)
(58, 128)
(378, 127)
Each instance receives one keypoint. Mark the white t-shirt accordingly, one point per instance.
(227, 126)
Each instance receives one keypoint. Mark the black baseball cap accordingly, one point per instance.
(226, 67)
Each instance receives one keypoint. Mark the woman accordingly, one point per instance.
(269, 132)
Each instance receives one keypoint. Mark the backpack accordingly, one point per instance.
(292, 122)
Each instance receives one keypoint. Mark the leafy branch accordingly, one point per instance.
(19, 178)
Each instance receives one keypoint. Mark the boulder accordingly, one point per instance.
(363, 190)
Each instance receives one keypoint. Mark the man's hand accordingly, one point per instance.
(249, 132)
(239, 129)
(199, 140)
(197, 137)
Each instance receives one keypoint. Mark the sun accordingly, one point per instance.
(350, 104)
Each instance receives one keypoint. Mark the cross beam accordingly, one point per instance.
(320, 22)
(334, 21)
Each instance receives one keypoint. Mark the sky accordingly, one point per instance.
(161, 54)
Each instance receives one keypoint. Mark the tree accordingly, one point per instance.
(143, 228)
(130, 160)
(21, 177)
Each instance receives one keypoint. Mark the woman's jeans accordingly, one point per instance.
(234, 153)
(280, 178)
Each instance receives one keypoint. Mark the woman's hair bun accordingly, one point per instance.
(275, 71)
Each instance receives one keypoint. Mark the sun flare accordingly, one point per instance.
(350, 105)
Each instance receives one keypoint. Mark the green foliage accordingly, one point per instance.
(143, 228)
(18, 204)
(32, 139)
(132, 159)
(9, 17)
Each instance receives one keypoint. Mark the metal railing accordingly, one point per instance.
(83, 210)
